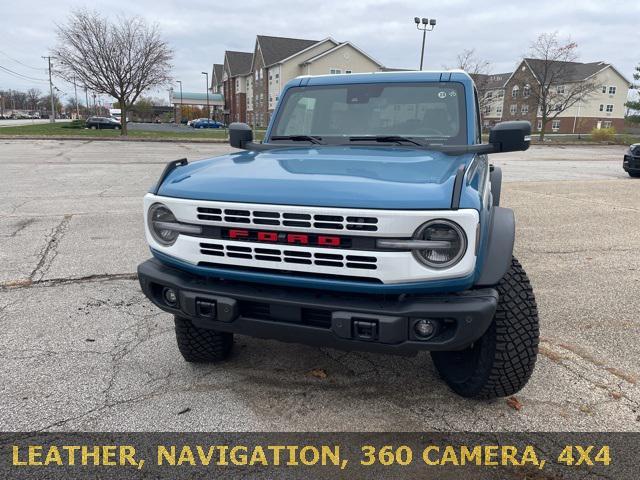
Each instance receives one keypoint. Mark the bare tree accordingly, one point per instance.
(478, 69)
(558, 87)
(121, 59)
(33, 97)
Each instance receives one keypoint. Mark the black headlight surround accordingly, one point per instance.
(154, 215)
(419, 235)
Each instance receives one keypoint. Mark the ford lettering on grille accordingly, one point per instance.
(288, 238)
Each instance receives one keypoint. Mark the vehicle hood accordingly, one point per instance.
(348, 177)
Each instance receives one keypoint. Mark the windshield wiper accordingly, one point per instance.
(299, 138)
(387, 139)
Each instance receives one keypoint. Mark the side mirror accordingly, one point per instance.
(240, 134)
(510, 136)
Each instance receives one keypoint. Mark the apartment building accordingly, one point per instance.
(235, 67)
(508, 96)
(252, 90)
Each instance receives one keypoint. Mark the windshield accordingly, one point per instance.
(431, 112)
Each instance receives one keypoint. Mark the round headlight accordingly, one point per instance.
(158, 213)
(453, 243)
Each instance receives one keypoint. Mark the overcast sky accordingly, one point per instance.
(200, 31)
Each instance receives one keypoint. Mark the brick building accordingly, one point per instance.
(511, 96)
(236, 66)
(252, 82)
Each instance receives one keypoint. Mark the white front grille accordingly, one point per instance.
(278, 254)
(384, 266)
(293, 220)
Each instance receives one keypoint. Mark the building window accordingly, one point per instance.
(602, 107)
(500, 93)
(539, 125)
(555, 125)
(560, 89)
(499, 110)
(513, 109)
(526, 91)
(604, 89)
(606, 124)
(612, 90)
(558, 107)
(525, 109)
(514, 91)
(489, 94)
(487, 110)
(335, 71)
(609, 108)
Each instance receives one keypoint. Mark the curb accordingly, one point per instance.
(112, 139)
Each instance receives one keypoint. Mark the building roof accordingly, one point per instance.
(216, 79)
(491, 81)
(239, 63)
(337, 47)
(194, 98)
(275, 49)
(571, 71)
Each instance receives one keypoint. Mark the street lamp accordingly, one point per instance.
(426, 25)
(180, 82)
(207, 90)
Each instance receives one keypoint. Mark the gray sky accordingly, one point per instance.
(200, 31)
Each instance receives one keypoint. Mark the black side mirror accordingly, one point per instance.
(510, 136)
(240, 134)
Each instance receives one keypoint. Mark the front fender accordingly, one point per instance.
(502, 234)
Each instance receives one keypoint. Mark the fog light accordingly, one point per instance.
(425, 328)
(170, 296)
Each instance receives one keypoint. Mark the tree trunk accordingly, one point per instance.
(123, 119)
(544, 126)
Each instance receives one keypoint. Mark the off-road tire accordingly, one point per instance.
(500, 363)
(634, 174)
(201, 345)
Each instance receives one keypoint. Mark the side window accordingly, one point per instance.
(477, 117)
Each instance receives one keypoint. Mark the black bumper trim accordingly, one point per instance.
(462, 317)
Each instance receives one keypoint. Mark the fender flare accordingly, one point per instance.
(497, 260)
(496, 184)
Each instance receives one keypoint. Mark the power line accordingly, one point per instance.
(21, 75)
(23, 64)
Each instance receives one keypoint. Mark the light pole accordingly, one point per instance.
(180, 82)
(426, 25)
(207, 90)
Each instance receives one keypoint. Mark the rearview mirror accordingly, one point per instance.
(240, 134)
(510, 136)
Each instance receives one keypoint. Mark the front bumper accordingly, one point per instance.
(345, 321)
(631, 163)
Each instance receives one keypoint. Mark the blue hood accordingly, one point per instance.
(348, 177)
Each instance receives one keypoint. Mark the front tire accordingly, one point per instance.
(201, 345)
(501, 362)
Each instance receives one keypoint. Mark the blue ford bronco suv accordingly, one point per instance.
(369, 219)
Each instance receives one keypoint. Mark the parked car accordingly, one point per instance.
(631, 162)
(102, 123)
(373, 226)
(206, 123)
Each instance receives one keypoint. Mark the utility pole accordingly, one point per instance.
(426, 23)
(52, 117)
(75, 89)
(207, 90)
(180, 82)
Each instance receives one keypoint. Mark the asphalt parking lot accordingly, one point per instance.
(82, 349)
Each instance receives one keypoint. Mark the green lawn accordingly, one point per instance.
(63, 129)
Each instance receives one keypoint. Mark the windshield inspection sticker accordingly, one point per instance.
(442, 94)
